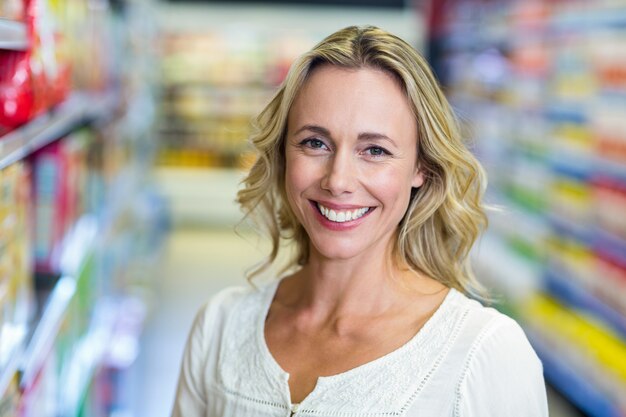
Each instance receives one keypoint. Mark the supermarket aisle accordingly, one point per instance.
(199, 262)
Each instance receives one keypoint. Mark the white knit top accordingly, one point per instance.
(467, 360)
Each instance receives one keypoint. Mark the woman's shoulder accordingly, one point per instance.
(480, 329)
(489, 339)
(492, 362)
(499, 369)
(480, 320)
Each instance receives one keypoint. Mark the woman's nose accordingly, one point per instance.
(340, 174)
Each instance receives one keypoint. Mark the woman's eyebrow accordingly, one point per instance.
(316, 129)
(375, 136)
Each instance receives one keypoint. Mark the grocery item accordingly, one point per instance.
(12, 9)
(59, 172)
(34, 80)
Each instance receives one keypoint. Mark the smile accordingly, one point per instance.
(341, 216)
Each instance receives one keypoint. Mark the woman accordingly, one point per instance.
(361, 167)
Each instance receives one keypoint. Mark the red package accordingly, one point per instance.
(17, 98)
(34, 80)
(50, 67)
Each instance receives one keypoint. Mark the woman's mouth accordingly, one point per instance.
(342, 216)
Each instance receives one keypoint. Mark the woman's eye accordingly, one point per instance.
(313, 143)
(377, 151)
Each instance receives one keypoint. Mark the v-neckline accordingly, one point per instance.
(269, 359)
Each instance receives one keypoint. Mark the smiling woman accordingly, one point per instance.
(350, 151)
(360, 164)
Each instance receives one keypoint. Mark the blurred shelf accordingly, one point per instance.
(608, 243)
(607, 17)
(612, 169)
(13, 35)
(583, 166)
(78, 109)
(504, 269)
(595, 238)
(47, 328)
(88, 356)
(575, 387)
(562, 226)
(568, 105)
(556, 112)
(78, 246)
(573, 295)
(11, 346)
(571, 166)
(123, 348)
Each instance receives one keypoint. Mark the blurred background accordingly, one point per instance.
(123, 138)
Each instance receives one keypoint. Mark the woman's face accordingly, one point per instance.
(351, 153)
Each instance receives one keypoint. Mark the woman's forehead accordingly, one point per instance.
(363, 98)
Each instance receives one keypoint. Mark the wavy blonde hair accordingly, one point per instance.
(444, 216)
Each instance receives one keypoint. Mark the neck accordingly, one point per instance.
(362, 286)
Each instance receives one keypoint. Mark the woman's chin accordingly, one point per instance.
(336, 251)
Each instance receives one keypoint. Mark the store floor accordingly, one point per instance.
(198, 262)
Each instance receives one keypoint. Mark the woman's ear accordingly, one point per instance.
(418, 178)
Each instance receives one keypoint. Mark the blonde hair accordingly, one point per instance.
(444, 216)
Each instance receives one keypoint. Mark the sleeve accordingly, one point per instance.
(502, 377)
(190, 401)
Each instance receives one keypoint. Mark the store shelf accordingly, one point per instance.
(12, 345)
(596, 238)
(575, 387)
(503, 268)
(47, 329)
(88, 356)
(79, 108)
(566, 113)
(584, 167)
(608, 243)
(573, 295)
(123, 348)
(26, 349)
(566, 110)
(79, 243)
(609, 168)
(589, 19)
(13, 35)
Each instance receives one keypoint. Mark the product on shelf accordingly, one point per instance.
(40, 398)
(12, 9)
(59, 176)
(9, 402)
(34, 80)
(69, 48)
(17, 98)
(15, 260)
(592, 350)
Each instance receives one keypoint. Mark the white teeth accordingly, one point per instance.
(342, 216)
